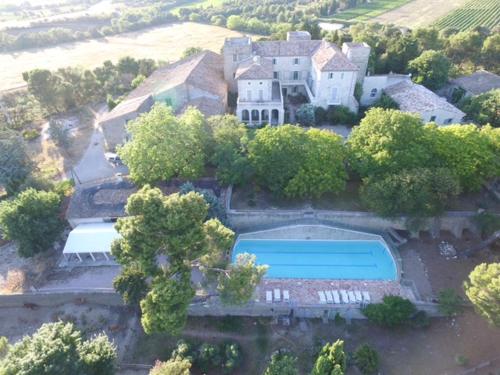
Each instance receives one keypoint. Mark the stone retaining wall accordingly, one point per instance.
(243, 220)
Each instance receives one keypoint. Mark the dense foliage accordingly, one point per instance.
(58, 348)
(70, 87)
(282, 364)
(331, 360)
(152, 155)
(483, 290)
(31, 219)
(15, 163)
(174, 227)
(394, 311)
(430, 69)
(483, 109)
(297, 163)
(366, 359)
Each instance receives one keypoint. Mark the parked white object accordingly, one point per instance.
(352, 297)
(359, 298)
(286, 296)
(345, 298)
(336, 297)
(329, 297)
(269, 296)
(366, 297)
(277, 295)
(322, 298)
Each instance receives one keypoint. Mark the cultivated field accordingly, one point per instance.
(472, 14)
(161, 43)
(420, 12)
(367, 10)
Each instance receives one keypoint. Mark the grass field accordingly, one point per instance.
(473, 13)
(419, 13)
(367, 11)
(160, 43)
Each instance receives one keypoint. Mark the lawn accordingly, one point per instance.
(472, 14)
(164, 43)
(367, 10)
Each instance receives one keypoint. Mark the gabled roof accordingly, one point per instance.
(329, 57)
(203, 70)
(255, 67)
(478, 82)
(127, 106)
(276, 48)
(417, 98)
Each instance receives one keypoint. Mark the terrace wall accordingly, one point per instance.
(244, 220)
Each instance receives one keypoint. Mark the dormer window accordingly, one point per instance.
(330, 75)
(296, 61)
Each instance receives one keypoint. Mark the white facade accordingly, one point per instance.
(264, 74)
(373, 86)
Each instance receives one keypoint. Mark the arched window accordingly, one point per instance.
(373, 93)
(255, 115)
(265, 116)
(245, 115)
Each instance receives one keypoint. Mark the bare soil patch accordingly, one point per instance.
(419, 13)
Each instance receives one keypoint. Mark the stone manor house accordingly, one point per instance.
(270, 79)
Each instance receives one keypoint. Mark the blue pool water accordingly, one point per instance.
(309, 259)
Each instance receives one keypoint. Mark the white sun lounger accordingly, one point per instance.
(329, 297)
(286, 296)
(358, 296)
(336, 297)
(352, 297)
(366, 297)
(269, 296)
(277, 295)
(345, 297)
(322, 298)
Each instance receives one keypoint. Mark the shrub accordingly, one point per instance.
(341, 115)
(320, 115)
(385, 102)
(487, 222)
(420, 320)
(394, 311)
(282, 364)
(331, 360)
(31, 134)
(366, 359)
(306, 115)
(450, 303)
(32, 220)
(59, 134)
(4, 346)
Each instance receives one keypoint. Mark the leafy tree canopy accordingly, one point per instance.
(483, 290)
(174, 366)
(163, 237)
(32, 220)
(366, 359)
(282, 364)
(388, 141)
(58, 348)
(15, 163)
(331, 360)
(296, 163)
(153, 155)
(394, 311)
(430, 69)
(420, 192)
(483, 109)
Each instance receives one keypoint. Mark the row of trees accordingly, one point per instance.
(406, 167)
(394, 50)
(72, 87)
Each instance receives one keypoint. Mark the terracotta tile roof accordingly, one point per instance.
(278, 48)
(417, 98)
(127, 106)
(204, 70)
(255, 67)
(329, 57)
(478, 82)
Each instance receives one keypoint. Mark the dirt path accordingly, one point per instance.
(419, 12)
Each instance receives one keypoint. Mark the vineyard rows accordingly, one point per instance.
(472, 14)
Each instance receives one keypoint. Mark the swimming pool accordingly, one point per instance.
(321, 259)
